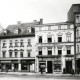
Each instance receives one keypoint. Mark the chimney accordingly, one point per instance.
(19, 22)
(34, 21)
(41, 21)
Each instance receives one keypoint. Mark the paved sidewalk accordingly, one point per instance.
(37, 74)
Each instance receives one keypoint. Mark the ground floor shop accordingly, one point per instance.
(78, 63)
(55, 64)
(17, 65)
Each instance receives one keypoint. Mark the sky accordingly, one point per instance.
(52, 11)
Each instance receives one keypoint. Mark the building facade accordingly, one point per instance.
(74, 16)
(17, 47)
(55, 47)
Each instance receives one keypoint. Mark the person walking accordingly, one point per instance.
(78, 71)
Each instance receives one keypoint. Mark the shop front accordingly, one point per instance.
(28, 65)
(50, 65)
(5, 66)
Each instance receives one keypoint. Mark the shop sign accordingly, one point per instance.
(5, 61)
(14, 61)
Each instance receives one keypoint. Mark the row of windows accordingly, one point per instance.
(49, 39)
(59, 27)
(59, 52)
(16, 43)
(16, 54)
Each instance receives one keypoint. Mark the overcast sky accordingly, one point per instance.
(51, 11)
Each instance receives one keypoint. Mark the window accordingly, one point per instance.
(21, 43)
(40, 28)
(59, 51)
(77, 48)
(28, 29)
(49, 27)
(57, 66)
(77, 19)
(68, 26)
(16, 43)
(29, 52)
(29, 42)
(21, 54)
(68, 50)
(49, 51)
(10, 43)
(16, 31)
(68, 37)
(4, 54)
(10, 54)
(77, 34)
(40, 39)
(59, 38)
(49, 39)
(5, 32)
(16, 54)
(40, 52)
(4, 44)
(59, 27)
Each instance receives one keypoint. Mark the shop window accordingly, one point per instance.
(49, 39)
(59, 51)
(3, 54)
(59, 38)
(49, 52)
(57, 66)
(40, 39)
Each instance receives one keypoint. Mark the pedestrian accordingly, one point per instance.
(78, 71)
(72, 71)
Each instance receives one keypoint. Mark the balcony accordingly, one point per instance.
(48, 56)
(55, 44)
(69, 55)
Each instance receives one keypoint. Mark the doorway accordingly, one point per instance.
(49, 67)
(68, 66)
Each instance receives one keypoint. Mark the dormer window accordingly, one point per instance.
(5, 32)
(16, 31)
(28, 29)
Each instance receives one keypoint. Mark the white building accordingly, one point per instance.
(17, 47)
(55, 47)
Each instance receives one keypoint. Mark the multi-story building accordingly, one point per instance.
(74, 16)
(55, 47)
(17, 47)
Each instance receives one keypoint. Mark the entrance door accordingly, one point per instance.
(68, 66)
(49, 66)
(78, 63)
(16, 66)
